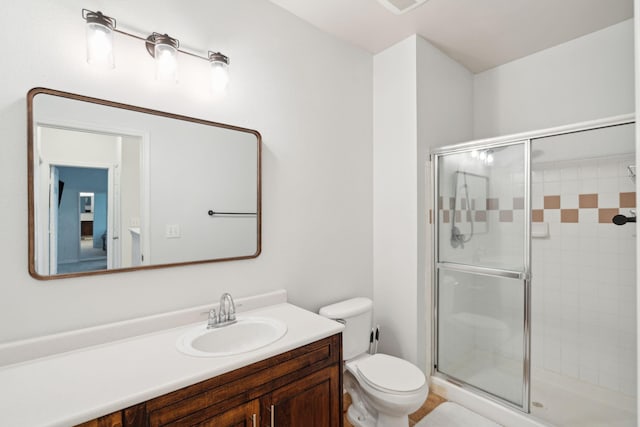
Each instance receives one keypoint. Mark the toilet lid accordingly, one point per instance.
(390, 373)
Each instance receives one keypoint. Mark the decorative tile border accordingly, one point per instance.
(568, 215)
(628, 200)
(585, 201)
(605, 215)
(551, 202)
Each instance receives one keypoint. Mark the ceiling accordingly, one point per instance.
(480, 34)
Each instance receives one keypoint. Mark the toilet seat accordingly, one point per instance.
(390, 374)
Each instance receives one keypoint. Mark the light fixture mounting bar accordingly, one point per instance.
(150, 41)
(99, 18)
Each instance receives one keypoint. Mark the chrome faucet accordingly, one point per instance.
(226, 315)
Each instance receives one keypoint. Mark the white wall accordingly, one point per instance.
(445, 116)
(422, 99)
(588, 78)
(308, 94)
(395, 205)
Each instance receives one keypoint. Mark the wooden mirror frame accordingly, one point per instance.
(31, 196)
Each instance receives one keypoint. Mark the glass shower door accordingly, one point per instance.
(482, 264)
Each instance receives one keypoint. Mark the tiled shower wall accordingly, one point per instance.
(583, 272)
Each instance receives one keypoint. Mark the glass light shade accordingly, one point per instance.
(99, 45)
(489, 159)
(166, 62)
(219, 76)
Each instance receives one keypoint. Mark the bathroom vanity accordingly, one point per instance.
(144, 380)
(301, 384)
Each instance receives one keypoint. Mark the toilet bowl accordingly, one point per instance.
(384, 389)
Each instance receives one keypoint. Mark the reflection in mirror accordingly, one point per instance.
(115, 188)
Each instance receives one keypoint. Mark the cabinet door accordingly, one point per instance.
(245, 415)
(313, 401)
(111, 420)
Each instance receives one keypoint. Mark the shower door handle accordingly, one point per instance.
(486, 271)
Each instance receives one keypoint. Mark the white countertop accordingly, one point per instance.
(74, 387)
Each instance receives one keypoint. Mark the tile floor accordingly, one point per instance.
(432, 401)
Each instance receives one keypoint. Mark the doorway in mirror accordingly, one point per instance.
(95, 184)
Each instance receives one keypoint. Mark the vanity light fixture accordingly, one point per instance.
(162, 47)
(219, 71)
(99, 38)
(165, 51)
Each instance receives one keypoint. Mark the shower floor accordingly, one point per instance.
(572, 403)
(565, 402)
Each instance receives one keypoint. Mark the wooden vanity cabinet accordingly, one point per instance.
(302, 387)
(111, 420)
(306, 402)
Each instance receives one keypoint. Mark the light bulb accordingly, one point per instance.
(166, 62)
(219, 76)
(489, 159)
(219, 71)
(474, 154)
(483, 155)
(100, 40)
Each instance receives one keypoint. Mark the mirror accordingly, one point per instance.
(113, 187)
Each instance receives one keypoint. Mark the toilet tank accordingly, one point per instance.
(357, 315)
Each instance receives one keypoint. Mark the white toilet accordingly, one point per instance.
(384, 389)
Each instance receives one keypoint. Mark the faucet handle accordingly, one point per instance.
(213, 319)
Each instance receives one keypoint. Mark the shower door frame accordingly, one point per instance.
(481, 144)
(523, 275)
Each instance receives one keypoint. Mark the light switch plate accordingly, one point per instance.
(172, 231)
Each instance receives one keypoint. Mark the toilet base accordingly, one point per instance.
(364, 410)
(359, 419)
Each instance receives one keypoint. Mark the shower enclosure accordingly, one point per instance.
(534, 285)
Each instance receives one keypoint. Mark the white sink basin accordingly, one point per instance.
(247, 334)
